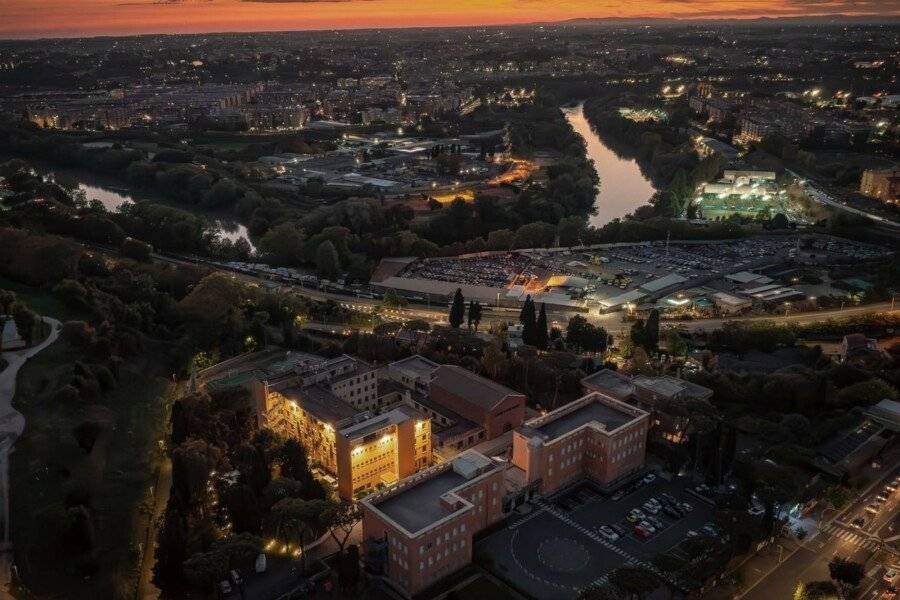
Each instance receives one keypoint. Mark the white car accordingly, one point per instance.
(608, 533)
(649, 478)
(651, 508)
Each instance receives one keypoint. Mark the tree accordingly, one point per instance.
(78, 333)
(634, 583)
(7, 299)
(866, 393)
(846, 574)
(680, 193)
(341, 518)
(638, 333)
(393, 299)
(26, 321)
(136, 250)
(283, 245)
(86, 434)
(816, 590)
(171, 546)
(192, 463)
(541, 336)
(571, 230)
(474, 316)
(457, 309)
(296, 521)
(582, 334)
(651, 331)
(328, 264)
(529, 321)
(348, 570)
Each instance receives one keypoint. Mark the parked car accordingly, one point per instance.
(236, 578)
(224, 588)
(646, 525)
(673, 512)
(650, 508)
(649, 478)
(619, 529)
(635, 515)
(890, 576)
(891, 487)
(641, 532)
(873, 508)
(858, 522)
(607, 532)
(686, 507)
(655, 522)
(669, 498)
(691, 533)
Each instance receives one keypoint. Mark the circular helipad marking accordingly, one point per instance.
(563, 555)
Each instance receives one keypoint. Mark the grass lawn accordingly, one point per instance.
(48, 465)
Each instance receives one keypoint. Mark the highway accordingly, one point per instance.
(838, 536)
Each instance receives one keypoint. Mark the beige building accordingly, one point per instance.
(333, 407)
(883, 185)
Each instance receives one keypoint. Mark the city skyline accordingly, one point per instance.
(55, 18)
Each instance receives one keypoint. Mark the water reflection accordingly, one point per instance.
(623, 188)
(113, 197)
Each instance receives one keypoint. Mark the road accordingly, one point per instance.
(12, 423)
(823, 197)
(837, 536)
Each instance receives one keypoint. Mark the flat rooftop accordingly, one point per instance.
(320, 403)
(417, 365)
(598, 412)
(420, 505)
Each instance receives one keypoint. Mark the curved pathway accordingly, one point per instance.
(11, 425)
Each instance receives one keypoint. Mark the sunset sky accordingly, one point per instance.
(39, 18)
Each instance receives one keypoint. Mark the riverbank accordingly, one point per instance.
(113, 193)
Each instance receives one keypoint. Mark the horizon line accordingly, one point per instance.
(674, 20)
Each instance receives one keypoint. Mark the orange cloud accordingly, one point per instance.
(35, 18)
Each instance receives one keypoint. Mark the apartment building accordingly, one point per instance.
(596, 436)
(420, 530)
(376, 451)
(332, 407)
(882, 185)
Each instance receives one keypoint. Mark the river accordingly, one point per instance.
(623, 188)
(113, 195)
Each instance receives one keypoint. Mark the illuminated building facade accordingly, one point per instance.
(332, 408)
(380, 450)
(883, 185)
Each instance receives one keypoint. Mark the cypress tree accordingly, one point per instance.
(529, 326)
(457, 309)
(541, 339)
(651, 331)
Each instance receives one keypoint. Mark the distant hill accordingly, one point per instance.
(768, 21)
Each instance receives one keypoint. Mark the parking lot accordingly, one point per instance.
(559, 547)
